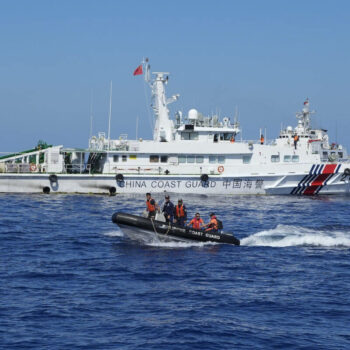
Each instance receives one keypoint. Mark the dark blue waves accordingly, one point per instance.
(70, 279)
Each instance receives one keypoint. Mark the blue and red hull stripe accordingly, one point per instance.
(317, 178)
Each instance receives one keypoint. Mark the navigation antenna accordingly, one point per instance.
(109, 117)
(91, 115)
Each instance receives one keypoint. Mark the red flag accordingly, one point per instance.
(138, 70)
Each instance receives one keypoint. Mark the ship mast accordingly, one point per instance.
(304, 116)
(164, 127)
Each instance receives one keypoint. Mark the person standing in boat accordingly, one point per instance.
(197, 222)
(180, 213)
(213, 224)
(168, 210)
(151, 206)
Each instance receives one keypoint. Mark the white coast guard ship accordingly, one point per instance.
(192, 154)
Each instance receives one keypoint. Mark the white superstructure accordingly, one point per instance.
(189, 154)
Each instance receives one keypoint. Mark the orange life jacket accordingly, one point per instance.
(296, 138)
(180, 213)
(213, 225)
(150, 207)
(196, 223)
(262, 139)
(232, 140)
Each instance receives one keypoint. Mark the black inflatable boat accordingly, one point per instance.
(163, 229)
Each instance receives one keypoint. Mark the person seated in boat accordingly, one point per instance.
(180, 213)
(197, 222)
(212, 226)
(151, 206)
(168, 210)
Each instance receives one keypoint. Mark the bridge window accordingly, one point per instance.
(190, 159)
(246, 159)
(189, 136)
(199, 159)
(295, 159)
(228, 136)
(287, 159)
(182, 159)
(115, 159)
(124, 158)
(275, 158)
(153, 159)
(164, 159)
(221, 159)
(212, 159)
(216, 159)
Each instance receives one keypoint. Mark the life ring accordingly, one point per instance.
(32, 167)
(221, 169)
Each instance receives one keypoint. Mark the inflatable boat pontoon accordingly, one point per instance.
(166, 230)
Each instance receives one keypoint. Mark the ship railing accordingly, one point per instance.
(77, 169)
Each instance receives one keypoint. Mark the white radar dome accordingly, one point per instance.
(193, 114)
(289, 128)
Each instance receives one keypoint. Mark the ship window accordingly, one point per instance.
(287, 159)
(199, 159)
(185, 136)
(182, 159)
(124, 158)
(216, 137)
(246, 159)
(190, 159)
(227, 136)
(133, 156)
(295, 159)
(221, 159)
(212, 159)
(163, 159)
(154, 159)
(189, 136)
(340, 154)
(115, 159)
(325, 154)
(275, 158)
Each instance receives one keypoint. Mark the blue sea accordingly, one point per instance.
(70, 278)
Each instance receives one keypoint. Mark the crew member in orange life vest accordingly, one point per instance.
(213, 224)
(262, 140)
(197, 222)
(180, 213)
(296, 139)
(151, 206)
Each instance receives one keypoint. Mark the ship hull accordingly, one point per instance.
(235, 184)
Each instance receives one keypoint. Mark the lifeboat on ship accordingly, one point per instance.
(130, 224)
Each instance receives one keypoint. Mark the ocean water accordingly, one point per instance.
(70, 279)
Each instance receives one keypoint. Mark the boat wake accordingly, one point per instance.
(289, 235)
(114, 234)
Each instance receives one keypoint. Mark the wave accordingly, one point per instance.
(289, 235)
(114, 234)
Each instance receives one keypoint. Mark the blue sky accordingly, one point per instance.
(265, 57)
